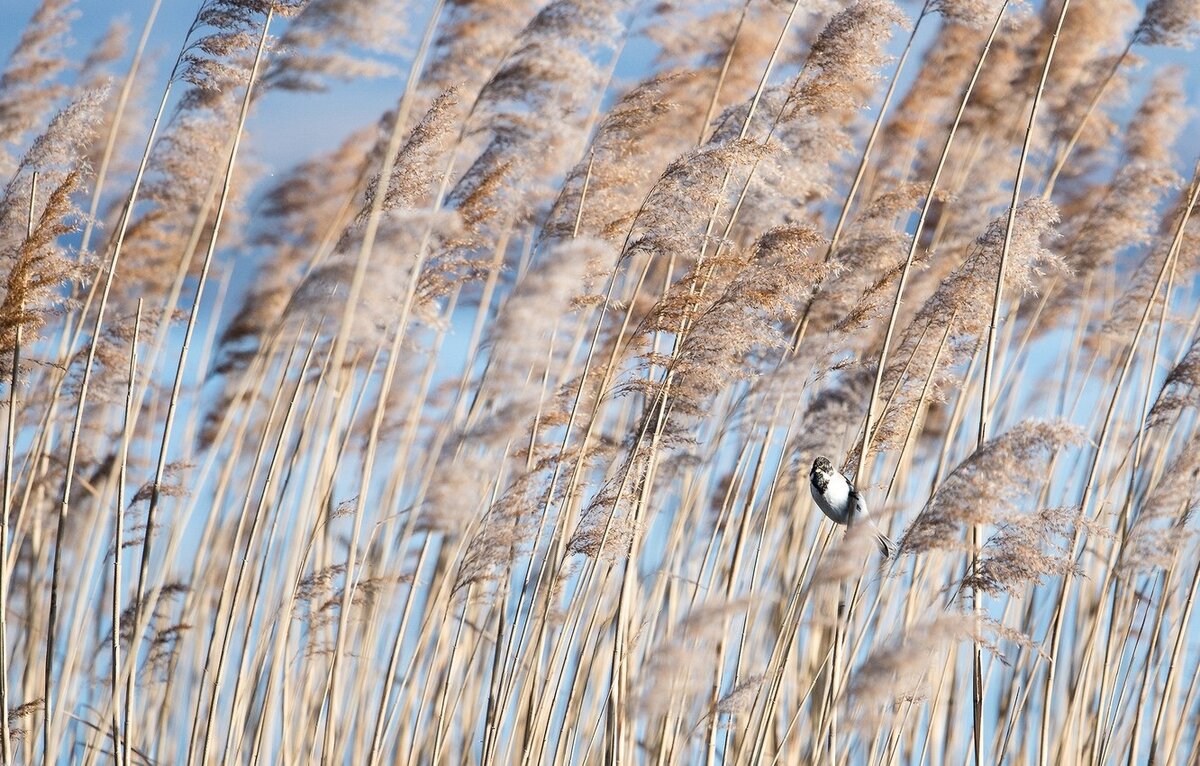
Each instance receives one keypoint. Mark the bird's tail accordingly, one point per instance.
(886, 546)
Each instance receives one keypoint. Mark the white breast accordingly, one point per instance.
(836, 500)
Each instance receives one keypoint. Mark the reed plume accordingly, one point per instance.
(476, 425)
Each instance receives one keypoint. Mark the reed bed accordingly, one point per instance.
(484, 437)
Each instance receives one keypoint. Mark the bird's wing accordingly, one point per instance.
(858, 506)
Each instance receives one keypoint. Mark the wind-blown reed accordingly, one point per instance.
(482, 435)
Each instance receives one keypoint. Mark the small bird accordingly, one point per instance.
(840, 501)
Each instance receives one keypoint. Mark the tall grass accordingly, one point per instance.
(484, 436)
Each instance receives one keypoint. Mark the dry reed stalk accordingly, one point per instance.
(10, 446)
(110, 142)
(364, 487)
(534, 623)
(844, 214)
(880, 366)
(140, 591)
(916, 238)
(1163, 23)
(720, 79)
(1055, 633)
(608, 370)
(121, 745)
(73, 331)
(110, 271)
(305, 434)
(1118, 552)
(273, 468)
(989, 358)
(1160, 716)
(347, 322)
(70, 337)
(662, 396)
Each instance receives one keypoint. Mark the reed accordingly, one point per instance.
(483, 436)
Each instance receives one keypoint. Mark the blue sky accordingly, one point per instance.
(289, 128)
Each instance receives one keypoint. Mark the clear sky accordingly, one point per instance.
(286, 129)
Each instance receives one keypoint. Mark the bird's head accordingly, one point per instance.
(822, 467)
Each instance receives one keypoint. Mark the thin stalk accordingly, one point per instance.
(916, 240)
(10, 446)
(1064, 152)
(181, 363)
(1149, 668)
(114, 130)
(844, 214)
(1173, 740)
(251, 539)
(610, 367)
(711, 111)
(914, 243)
(121, 745)
(110, 143)
(341, 338)
(988, 362)
(77, 425)
(1160, 716)
(1055, 633)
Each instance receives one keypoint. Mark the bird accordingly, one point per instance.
(840, 501)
